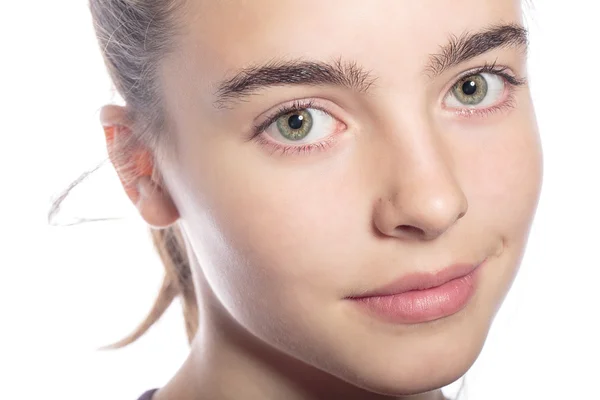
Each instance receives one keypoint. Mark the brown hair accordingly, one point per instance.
(134, 35)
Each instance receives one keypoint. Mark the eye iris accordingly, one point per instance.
(471, 90)
(295, 125)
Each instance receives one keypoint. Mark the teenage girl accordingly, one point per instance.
(341, 191)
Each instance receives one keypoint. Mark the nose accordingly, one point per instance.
(422, 198)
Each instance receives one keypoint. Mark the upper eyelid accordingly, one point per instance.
(490, 69)
(500, 70)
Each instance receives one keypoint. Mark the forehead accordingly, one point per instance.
(395, 38)
(234, 32)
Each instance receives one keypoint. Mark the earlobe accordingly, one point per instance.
(154, 204)
(134, 164)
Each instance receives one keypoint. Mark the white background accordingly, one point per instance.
(64, 291)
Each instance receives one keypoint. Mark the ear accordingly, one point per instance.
(136, 169)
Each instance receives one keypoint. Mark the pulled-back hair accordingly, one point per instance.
(134, 36)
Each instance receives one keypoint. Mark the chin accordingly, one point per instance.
(405, 379)
(410, 376)
(416, 360)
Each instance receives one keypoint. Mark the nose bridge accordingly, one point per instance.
(421, 195)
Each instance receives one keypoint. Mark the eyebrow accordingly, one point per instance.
(349, 74)
(277, 72)
(471, 45)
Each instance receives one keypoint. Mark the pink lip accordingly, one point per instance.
(422, 297)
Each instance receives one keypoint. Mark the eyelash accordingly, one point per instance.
(298, 105)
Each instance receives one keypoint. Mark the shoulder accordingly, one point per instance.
(148, 395)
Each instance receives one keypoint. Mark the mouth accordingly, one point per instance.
(422, 297)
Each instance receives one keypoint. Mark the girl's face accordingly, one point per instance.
(392, 165)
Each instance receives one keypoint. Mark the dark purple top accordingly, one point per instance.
(148, 395)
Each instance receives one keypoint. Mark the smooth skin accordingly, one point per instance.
(278, 241)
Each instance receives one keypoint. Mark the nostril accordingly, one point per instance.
(410, 230)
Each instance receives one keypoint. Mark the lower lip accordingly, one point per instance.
(418, 306)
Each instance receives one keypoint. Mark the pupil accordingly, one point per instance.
(295, 121)
(469, 87)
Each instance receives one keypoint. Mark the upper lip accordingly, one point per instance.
(422, 280)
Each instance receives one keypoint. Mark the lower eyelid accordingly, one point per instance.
(508, 104)
(340, 127)
(283, 149)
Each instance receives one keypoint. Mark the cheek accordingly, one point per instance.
(509, 174)
(270, 227)
(506, 180)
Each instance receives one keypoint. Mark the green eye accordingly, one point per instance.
(471, 90)
(295, 125)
